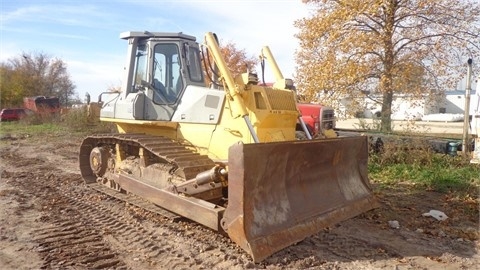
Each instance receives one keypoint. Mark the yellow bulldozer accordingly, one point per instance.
(223, 155)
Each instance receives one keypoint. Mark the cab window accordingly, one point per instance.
(167, 80)
(194, 65)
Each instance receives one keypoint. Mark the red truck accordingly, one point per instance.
(12, 114)
(317, 118)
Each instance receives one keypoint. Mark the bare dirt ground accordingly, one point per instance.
(49, 219)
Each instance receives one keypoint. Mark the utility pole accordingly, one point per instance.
(466, 117)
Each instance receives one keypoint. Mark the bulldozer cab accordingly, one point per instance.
(159, 68)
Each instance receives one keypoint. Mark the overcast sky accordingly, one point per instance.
(85, 33)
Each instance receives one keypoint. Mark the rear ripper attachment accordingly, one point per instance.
(299, 188)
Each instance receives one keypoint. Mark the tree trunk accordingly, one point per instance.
(386, 114)
(387, 76)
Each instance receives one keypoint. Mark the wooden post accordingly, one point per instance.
(466, 118)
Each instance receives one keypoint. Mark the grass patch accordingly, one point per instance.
(422, 168)
(75, 121)
(22, 127)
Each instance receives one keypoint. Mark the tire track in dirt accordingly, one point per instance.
(69, 240)
(65, 245)
(91, 230)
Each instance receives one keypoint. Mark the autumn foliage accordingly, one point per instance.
(236, 59)
(352, 49)
(34, 74)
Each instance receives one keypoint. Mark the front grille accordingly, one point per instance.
(328, 119)
(281, 100)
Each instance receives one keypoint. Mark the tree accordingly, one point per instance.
(10, 87)
(353, 48)
(237, 60)
(35, 74)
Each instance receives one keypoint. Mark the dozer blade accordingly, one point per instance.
(281, 193)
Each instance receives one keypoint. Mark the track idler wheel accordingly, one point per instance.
(99, 160)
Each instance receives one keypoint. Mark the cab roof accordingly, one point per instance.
(147, 34)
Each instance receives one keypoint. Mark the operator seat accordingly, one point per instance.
(161, 94)
(158, 85)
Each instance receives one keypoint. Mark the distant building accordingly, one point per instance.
(455, 102)
(404, 107)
